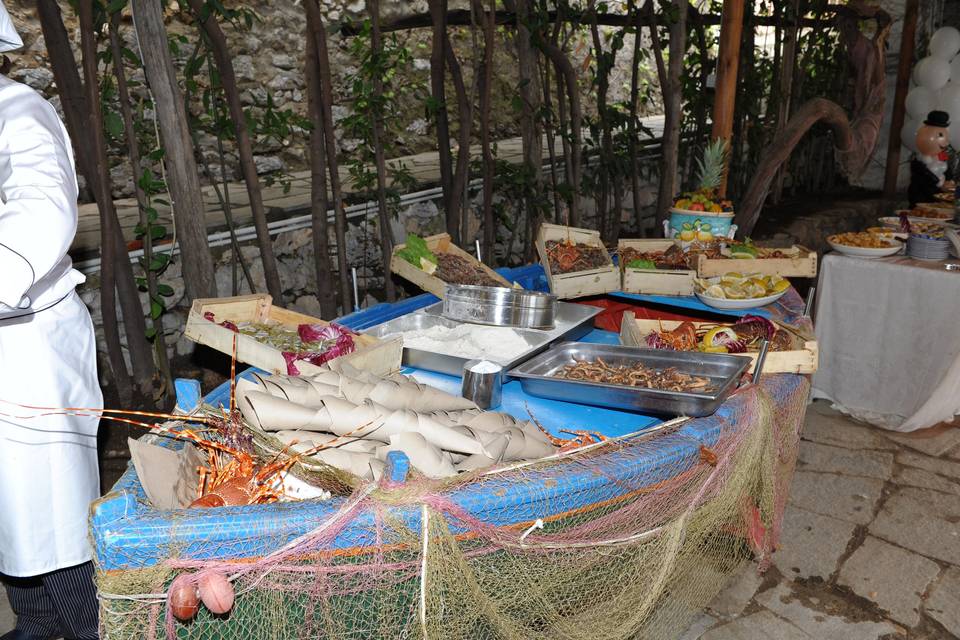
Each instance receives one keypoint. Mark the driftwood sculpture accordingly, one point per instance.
(855, 138)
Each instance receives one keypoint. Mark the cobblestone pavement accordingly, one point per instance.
(870, 547)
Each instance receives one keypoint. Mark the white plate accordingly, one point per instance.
(730, 303)
(865, 252)
(893, 221)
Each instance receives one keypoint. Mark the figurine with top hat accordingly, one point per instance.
(928, 168)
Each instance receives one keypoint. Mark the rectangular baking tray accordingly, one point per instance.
(724, 371)
(573, 321)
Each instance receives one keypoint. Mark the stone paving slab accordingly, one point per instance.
(762, 625)
(927, 522)
(892, 577)
(828, 426)
(699, 626)
(936, 446)
(7, 618)
(847, 498)
(943, 605)
(811, 544)
(737, 593)
(818, 624)
(909, 476)
(936, 465)
(823, 457)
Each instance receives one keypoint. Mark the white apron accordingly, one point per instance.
(48, 465)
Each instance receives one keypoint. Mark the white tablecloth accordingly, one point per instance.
(889, 336)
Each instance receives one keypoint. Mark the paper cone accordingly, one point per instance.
(270, 413)
(425, 458)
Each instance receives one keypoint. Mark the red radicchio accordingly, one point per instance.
(208, 315)
(321, 332)
(753, 327)
(342, 345)
(654, 341)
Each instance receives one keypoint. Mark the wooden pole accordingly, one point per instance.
(731, 29)
(183, 177)
(907, 44)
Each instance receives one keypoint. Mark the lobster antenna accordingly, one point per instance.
(233, 376)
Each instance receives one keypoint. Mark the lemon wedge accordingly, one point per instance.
(735, 292)
(715, 291)
(782, 285)
(718, 349)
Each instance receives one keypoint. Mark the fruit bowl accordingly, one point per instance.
(689, 226)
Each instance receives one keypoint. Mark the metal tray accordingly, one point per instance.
(442, 362)
(573, 321)
(536, 376)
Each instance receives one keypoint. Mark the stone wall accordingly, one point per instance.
(269, 59)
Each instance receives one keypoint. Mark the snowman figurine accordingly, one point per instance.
(929, 168)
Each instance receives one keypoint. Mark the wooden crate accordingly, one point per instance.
(381, 357)
(662, 282)
(804, 265)
(579, 283)
(803, 358)
(439, 243)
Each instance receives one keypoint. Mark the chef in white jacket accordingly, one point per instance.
(48, 465)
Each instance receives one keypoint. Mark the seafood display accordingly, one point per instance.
(313, 343)
(743, 336)
(737, 286)
(456, 270)
(635, 375)
(673, 258)
(862, 240)
(449, 267)
(567, 257)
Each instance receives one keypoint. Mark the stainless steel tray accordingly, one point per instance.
(536, 376)
(442, 362)
(573, 321)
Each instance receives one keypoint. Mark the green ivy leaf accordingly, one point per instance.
(156, 309)
(113, 124)
(165, 290)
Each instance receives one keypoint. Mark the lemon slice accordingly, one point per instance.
(735, 292)
(754, 290)
(715, 291)
(782, 285)
(718, 349)
(730, 280)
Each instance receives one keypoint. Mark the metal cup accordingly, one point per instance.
(482, 387)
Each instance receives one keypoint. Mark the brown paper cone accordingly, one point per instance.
(425, 458)
(270, 413)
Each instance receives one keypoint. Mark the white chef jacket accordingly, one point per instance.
(48, 463)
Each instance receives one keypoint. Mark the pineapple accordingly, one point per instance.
(710, 174)
(711, 166)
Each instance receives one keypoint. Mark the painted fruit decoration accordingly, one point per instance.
(710, 173)
(698, 230)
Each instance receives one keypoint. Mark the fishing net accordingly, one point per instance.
(627, 539)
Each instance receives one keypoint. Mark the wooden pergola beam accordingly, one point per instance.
(461, 18)
(728, 62)
(907, 44)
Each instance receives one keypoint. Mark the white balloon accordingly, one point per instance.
(955, 136)
(908, 134)
(945, 43)
(955, 70)
(949, 100)
(921, 101)
(932, 73)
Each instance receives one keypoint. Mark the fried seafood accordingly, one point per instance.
(637, 375)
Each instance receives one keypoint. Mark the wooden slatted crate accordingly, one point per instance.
(439, 243)
(663, 282)
(381, 357)
(802, 358)
(579, 283)
(804, 265)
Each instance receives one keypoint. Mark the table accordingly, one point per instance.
(889, 334)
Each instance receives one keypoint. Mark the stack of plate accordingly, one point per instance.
(924, 247)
